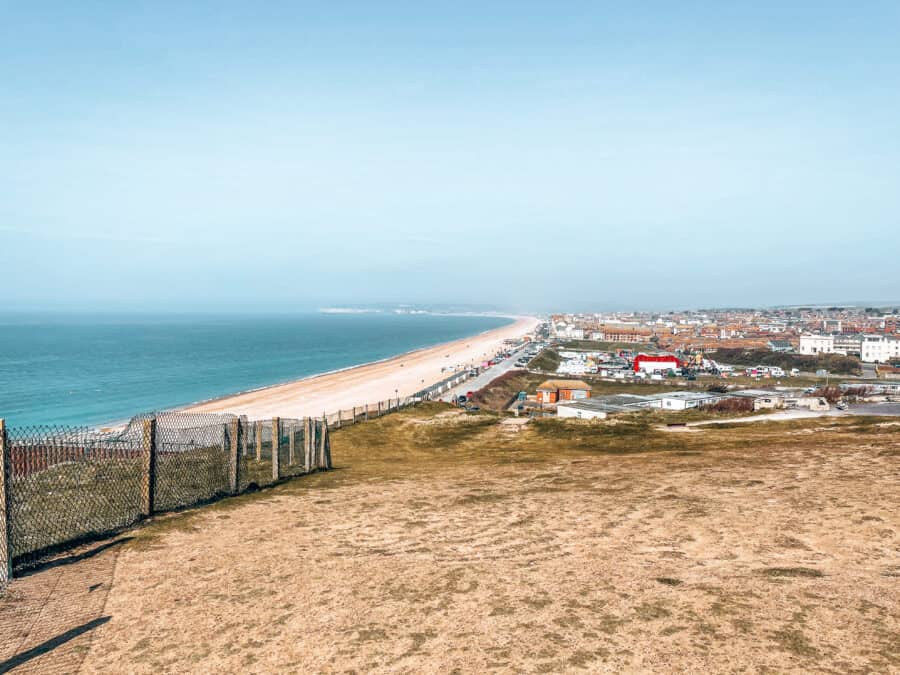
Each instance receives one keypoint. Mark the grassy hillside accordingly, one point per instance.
(499, 393)
(547, 360)
(569, 546)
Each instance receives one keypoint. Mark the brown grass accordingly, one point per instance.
(440, 544)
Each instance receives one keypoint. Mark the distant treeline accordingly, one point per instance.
(833, 363)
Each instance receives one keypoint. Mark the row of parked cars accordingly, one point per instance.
(527, 355)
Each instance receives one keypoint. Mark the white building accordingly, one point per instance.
(763, 399)
(572, 367)
(585, 410)
(655, 364)
(683, 400)
(847, 344)
(879, 348)
(816, 344)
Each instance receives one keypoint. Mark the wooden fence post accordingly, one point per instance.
(234, 466)
(148, 483)
(276, 448)
(291, 443)
(367, 412)
(354, 415)
(320, 459)
(6, 553)
(259, 440)
(244, 448)
(327, 435)
(379, 408)
(307, 444)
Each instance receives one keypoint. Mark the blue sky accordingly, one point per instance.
(168, 155)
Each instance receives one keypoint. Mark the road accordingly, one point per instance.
(484, 378)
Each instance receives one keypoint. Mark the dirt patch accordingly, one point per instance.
(803, 572)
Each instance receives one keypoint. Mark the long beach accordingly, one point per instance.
(398, 376)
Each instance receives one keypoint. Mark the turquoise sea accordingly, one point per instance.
(61, 369)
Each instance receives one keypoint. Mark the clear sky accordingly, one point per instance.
(265, 155)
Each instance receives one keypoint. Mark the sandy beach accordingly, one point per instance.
(402, 375)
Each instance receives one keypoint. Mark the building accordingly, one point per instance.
(816, 344)
(588, 409)
(879, 348)
(627, 401)
(847, 344)
(684, 400)
(629, 334)
(874, 388)
(552, 391)
(763, 399)
(655, 364)
(781, 346)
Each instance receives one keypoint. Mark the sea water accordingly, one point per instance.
(91, 370)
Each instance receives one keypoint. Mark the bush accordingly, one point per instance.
(853, 393)
(731, 405)
(832, 394)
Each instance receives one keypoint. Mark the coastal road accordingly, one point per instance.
(486, 377)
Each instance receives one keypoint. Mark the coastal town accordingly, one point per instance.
(796, 362)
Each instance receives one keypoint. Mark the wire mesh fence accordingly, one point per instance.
(66, 483)
(63, 485)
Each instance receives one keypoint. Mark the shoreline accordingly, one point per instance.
(363, 383)
(335, 371)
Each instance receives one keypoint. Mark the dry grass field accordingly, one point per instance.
(443, 544)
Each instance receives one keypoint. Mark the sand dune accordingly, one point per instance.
(402, 375)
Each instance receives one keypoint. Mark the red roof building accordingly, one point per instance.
(651, 364)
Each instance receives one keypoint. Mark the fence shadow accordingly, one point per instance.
(51, 644)
(74, 557)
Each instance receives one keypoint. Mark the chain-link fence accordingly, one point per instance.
(62, 485)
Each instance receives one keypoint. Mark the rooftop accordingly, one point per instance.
(554, 385)
(623, 400)
(756, 393)
(685, 395)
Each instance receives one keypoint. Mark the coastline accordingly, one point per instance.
(402, 375)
